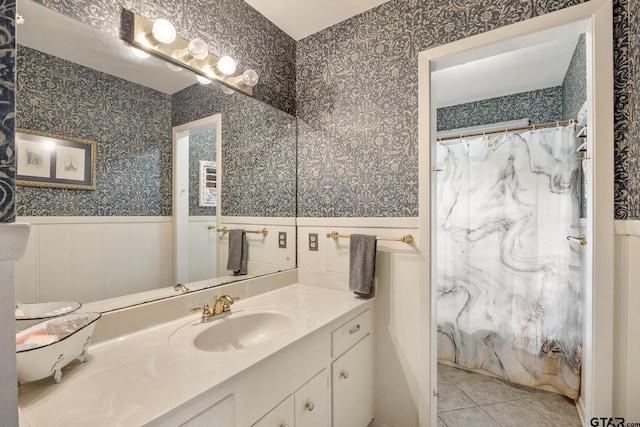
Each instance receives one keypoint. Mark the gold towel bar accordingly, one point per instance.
(264, 231)
(407, 238)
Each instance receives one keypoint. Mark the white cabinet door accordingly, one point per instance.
(352, 382)
(280, 416)
(313, 402)
(219, 415)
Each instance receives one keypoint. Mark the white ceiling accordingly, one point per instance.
(301, 18)
(530, 68)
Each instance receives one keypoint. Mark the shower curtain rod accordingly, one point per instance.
(512, 129)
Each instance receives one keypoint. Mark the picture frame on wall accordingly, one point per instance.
(54, 161)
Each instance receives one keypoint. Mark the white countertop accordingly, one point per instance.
(136, 378)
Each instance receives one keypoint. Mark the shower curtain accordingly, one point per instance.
(509, 286)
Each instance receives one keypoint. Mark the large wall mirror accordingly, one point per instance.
(115, 245)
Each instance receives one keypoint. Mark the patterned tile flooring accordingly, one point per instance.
(467, 399)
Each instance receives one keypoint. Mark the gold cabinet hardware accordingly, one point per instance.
(211, 227)
(309, 406)
(284, 425)
(344, 374)
(580, 239)
(354, 329)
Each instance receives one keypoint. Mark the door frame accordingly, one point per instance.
(596, 399)
(180, 197)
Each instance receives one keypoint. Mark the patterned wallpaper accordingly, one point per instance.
(368, 62)
(131, 125)
(574, 86)
(541, 106)
(7, 110)
(629, 176)
(258, 150)
(356, 91)
(202, 146)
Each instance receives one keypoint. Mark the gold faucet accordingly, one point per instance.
(221, 308)
(222, 304)
(181, 287)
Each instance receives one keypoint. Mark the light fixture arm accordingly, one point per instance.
(138, 32)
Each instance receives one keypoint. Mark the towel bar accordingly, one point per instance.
(264, 231)
(407, 238)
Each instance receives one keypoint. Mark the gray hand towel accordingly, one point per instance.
(238, 252)
(362, 265)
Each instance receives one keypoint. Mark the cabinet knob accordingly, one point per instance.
(309, 406)
(284, 425)
(354, 329)
(344, 374)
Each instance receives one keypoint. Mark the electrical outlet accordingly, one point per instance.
(313, 241)
(282, 239)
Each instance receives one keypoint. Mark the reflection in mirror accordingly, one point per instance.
(116, 242)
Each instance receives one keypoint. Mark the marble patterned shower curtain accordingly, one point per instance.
(509, 288)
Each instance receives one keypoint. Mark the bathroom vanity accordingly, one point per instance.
(294, 355)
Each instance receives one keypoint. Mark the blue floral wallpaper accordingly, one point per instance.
(365, 64)
(633, 158)
(574, 86)
(130, 124)
(540, 106)
(7, 110)
(258, 150)
(202, 146)
(357, 105)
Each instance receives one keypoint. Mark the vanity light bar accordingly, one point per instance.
(138, 32)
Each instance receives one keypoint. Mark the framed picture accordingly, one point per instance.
(54, 161)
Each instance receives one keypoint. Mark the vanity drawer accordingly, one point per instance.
(350, 333)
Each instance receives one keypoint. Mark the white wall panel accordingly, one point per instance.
(55, 256)
(88, 267)
(92, 258)
(627, 321)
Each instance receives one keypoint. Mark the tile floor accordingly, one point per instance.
(467, 399)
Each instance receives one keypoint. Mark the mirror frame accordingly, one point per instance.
(598, 350)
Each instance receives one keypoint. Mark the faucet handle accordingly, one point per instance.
(206, 312)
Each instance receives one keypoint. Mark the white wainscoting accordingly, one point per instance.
(626, 381)
(93, 258)
(202, 248)
(396, 309)
(265, 255)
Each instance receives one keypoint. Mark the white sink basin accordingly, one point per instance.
(243, 330)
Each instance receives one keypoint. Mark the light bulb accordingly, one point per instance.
(250, 78)
(227, 65)
(163, 31)
(173, 67)
(227, 90)
(198, 49)
(202, 80)
(139, 53)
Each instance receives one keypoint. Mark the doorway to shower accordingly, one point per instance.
(509, 184)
